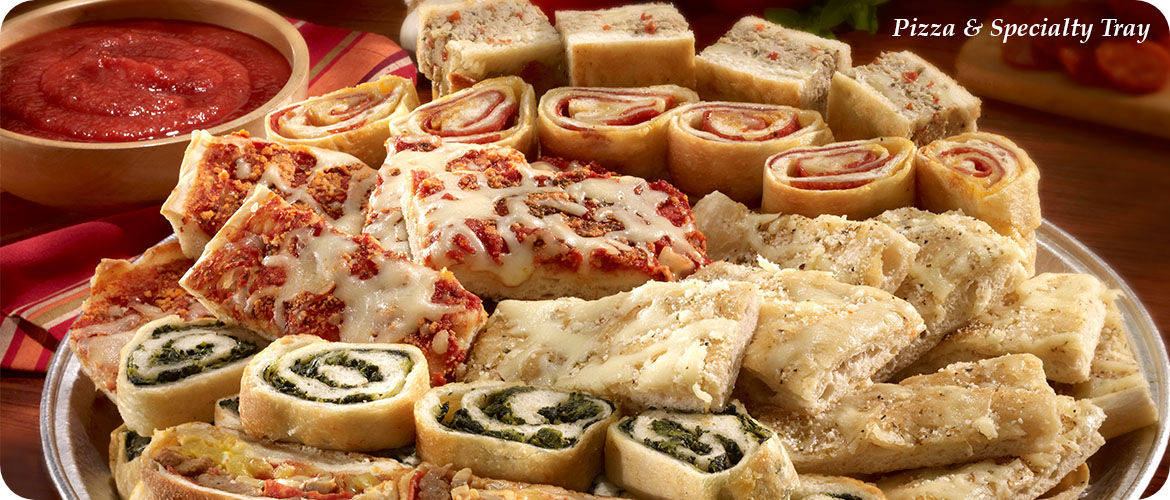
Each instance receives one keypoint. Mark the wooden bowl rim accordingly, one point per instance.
(297, 76)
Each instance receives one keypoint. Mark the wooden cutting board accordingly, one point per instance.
(981, 69)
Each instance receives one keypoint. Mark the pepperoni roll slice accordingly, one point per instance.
(498, 111)
(352, 120)
(722, 146)
(857, 179)
(987, 177)
(623, 129)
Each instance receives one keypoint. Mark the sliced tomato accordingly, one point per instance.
(1129, 66)
(1078, 63)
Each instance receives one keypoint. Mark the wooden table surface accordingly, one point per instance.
(1109, 188)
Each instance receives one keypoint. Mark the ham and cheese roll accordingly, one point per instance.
(499, 111)
(857, 179)
(623, 129)
(664, 454)
(335, 395)
(352, 120)
(174, 371)
(986, 176)
(722, 146)
(515, 432)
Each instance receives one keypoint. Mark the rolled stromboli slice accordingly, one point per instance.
(514, 431)
(334, 395)
(126, 459)
(663, 454)
(623, 129)
(174, 371)
(499, 111)
(986, 176)
(722, 146)
(858, 179)
(352, 120)
(202, 461)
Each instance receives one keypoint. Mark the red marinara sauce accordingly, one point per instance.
(134, 80)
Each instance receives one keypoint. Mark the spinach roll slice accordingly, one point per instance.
(515, 432)
(173, 371)
(227, 413)
(857, 179)
(352, 120)
(663, 454)
(126, 459)
(722, 146)
(335, 395)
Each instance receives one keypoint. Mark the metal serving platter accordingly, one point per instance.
(76, 420)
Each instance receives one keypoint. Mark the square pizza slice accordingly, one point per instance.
(508, 229)
(281, 269)
(217, 173)
(125, 295)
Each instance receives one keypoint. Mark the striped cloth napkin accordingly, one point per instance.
(44, 279)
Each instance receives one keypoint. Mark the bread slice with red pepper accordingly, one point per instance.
(631, 46)
(899, 94)
(462, 43)
(758, 61)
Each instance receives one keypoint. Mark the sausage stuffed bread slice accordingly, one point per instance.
(353, 120)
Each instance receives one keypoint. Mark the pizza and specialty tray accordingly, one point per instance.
(76, 420)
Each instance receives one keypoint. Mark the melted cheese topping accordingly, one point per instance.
(674, 341)
(531, 207)
(342, 111)
(385, 307)
(385, 221)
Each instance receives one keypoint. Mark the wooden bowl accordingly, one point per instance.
(82, 175)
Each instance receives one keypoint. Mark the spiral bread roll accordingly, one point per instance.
(818, 487)
(499, 111)
(623, 129)
(335, 395)
(663, 454)
(515, 432)
(126, 459)
(227, 413)
(857, 179)
(986, 176)
(352, 120)
(722, 146)
(173, 371)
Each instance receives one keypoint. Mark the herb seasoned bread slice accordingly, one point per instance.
(630, 46)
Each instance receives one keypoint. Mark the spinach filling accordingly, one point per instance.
(498, 406)
(843, 496)
(186, 362)
(313, 367)
(134, 444)
(675, 439)
(231, 404)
